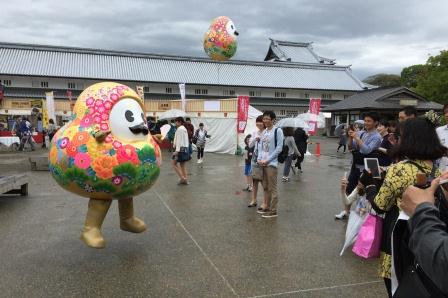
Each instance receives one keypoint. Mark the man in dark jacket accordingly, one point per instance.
(301, 138)
(428, 234)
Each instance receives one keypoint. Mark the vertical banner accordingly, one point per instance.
(140, 92)
(314, 113)
(50, 105)
(69, 96)
(44, 114)
(182, 95)
(2, 92)
(243, 113)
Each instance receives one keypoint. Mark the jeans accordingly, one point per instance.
(200, 152)
(353, 179)
(340, 145)
(287, 168)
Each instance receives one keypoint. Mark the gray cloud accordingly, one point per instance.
(372, 36)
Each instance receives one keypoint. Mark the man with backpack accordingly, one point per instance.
(270, 146)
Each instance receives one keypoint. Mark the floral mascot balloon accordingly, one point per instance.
(220, 40)
(106, 153)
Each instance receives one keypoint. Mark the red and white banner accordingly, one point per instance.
(2, 92)
(69, 95)
(314, 113)
(243, 113)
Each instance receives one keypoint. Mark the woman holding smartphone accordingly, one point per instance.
(418, 147)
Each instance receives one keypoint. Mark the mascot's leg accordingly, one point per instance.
(91, 232)
(128, 222)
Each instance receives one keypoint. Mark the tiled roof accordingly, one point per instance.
(296, 52)
(51, 61)
(378, 99)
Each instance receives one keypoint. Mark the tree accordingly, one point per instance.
(433, 84)
(411, 74)
(384, 80)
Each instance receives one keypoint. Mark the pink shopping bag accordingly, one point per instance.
(368, 243)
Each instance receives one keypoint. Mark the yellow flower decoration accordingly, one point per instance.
(96, 149)
(53, 155)
(71, 131)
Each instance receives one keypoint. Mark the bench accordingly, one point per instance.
(14, 184)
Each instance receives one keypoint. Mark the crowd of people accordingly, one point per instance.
(266, 148)
(413, 253)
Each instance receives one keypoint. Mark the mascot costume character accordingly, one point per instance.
(220, 40)
(106, 153)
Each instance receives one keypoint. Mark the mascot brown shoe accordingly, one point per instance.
(128, 222)
(91, 232)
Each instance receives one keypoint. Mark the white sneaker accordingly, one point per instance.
(199, 161)
(342, 215)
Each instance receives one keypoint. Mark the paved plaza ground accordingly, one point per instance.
(202, 240)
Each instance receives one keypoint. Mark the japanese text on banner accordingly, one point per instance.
(314, 113)
(243, 112)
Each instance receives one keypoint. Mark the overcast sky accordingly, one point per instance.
(372, 36)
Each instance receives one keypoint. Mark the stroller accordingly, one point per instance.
(26, 138)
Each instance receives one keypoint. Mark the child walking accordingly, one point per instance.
(248, 162)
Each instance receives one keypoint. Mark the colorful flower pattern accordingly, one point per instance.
(112, 169)
(218, 44)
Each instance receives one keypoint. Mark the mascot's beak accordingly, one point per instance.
(236, 33)
(141, 128)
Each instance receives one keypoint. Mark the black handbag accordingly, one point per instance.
(415, 283)
(183, 154)
(411, 285)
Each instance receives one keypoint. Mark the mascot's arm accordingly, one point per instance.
(98, 134)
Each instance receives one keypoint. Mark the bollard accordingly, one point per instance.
(317, 153)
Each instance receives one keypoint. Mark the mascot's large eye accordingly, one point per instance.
(124, 115)
(230, 27)
(129, 116)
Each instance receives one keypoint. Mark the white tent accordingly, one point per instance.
(223, 133)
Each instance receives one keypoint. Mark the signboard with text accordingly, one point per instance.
(243, 113)
(314, 113)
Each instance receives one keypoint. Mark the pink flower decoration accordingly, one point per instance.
(108, 105)
(108, 139)
(104, 116)
(93, 112)
(90, 101)
(114, 96)
(101, 109)
(86, 121)
(99, 102)
(82, 160)
(63, 143)
(117, 180)
(97, 119)
(104, 126)
(116, 144)
(127, 153)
